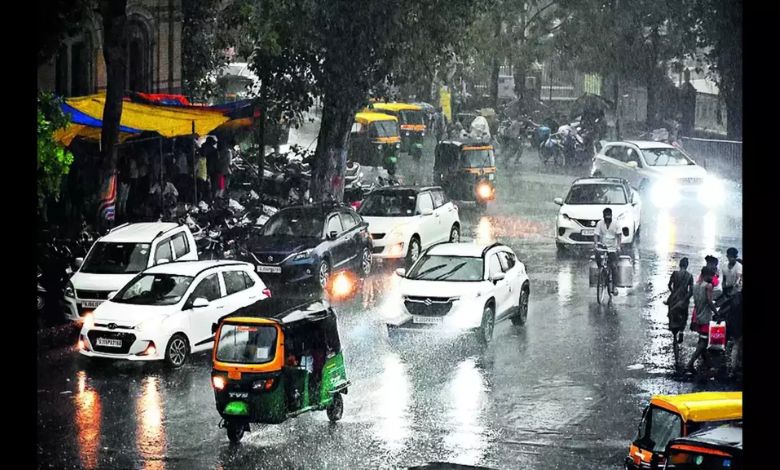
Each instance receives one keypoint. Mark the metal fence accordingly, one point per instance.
(722, 157)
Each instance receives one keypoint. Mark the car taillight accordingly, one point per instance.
(267, 292)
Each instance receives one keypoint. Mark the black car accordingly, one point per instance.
(302, 244)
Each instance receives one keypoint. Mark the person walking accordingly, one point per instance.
(223, 166)
(704, 309)
(202, 176)
(681, 288)
(212, 161)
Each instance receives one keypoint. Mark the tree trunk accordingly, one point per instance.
(330, 158)
(114, 21)
(734, 114)
(495, 66)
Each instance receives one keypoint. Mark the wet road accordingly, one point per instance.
(564, 391)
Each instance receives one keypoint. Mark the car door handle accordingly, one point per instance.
(220, 307)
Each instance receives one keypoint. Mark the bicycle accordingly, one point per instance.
(605, 276)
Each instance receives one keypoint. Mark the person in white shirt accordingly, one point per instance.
(608, 235)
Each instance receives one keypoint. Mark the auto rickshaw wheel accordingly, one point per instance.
(235, 431)
(336, 408)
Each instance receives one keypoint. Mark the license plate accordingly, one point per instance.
(427, 320)
(91, 303)
(269, 269)
(588, 231)
(109, 342)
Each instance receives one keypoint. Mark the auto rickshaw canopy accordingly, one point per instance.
(395, 107)
(702, 406)
(367, 117)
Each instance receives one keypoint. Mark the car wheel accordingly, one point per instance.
(177, 351)
(323, 271)
(454, 234)
(336, 408)
(488, 323)
(522, 309)
(414, 252)
(235, 431)
(365, 262)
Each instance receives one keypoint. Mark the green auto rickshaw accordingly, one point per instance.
(411, 120)
(466, 171)
(375, 141)
(275, 360)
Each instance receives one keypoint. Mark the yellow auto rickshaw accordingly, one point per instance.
(275, 360)
(466, 170)
(411, 120)
(672, 416)
(375, 141)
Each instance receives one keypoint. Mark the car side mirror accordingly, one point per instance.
(632, 164)
(214, 328)
(400, 272)
(558, 200)
(162, 261)
(78, 262)
(333, 235)
(497, 277)
(426, 211)
(200, 302)
(111, 295)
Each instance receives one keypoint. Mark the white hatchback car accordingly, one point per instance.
(166, 312)
(405, 220)
(462, 286)
(584, 206)
(663, 171)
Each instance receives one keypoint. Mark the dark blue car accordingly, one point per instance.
(304, 244)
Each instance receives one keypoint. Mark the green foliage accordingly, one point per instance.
(203, 46)
(53, 160)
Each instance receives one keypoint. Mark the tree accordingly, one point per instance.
(203, 46)
(53, 160)
(57, 20)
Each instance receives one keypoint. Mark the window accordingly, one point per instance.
(451, 268)
(163, 251)
(180, 245)
(632, 156)
(356, 128)
(334, 225)
(295, 223)
(494, 265)
(507, 260)
(116, 258)
(438, 198)
(154, 289)
(617, 152)
(234, 282)
(248, 344)
(657, 428)
(424, 201)
(389, 204)
(208, 289)
(347, 221)
(596, 194)
(248, 281)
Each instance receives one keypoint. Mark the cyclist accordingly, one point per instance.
(608, 235)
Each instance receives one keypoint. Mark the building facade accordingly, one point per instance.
(154, 32)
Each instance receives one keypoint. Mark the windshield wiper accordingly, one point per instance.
(438, 266)
(450, 272)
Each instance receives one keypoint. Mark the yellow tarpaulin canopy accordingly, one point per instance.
(165, 120)
(66, 135)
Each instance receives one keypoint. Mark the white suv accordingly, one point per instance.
(462, 286)
(405, 220)
(663, 171)
(166, 312)
(117, 257)
(584, 206)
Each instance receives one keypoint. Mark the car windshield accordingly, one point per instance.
(596, 194)
(154, 289)
(383, 129)
(116, 258)
(246, 344)
(295, 223)
(666, 157)
(657, 428)
(478, 159)
(411, 117)
(389, 204)
(447, 268)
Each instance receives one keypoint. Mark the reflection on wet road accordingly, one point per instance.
(564, 391)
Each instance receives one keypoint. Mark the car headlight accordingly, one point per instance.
(665, 193)
(302, 255)
(711, 191)
(70, 291)
(380, 146)
(89, 320)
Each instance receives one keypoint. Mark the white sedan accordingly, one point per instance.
(462, 286)
(584, 206)
(166, 312)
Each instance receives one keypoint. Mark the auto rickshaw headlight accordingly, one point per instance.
(264, 384)
(484, 190)
(218, 382)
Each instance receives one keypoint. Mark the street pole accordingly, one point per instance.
(617, 75)
(194, 169)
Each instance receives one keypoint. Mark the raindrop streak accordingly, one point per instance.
(88, 422)
(565, 284)
(150, 433)
(485, 231)
(467, 392)
(709, 233)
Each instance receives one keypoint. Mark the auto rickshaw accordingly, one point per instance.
(411, 121)
(374, 140)
(466, 171)
(716, 448)
(274, 360)
(671, 416)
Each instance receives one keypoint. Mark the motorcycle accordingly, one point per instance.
(553, 149)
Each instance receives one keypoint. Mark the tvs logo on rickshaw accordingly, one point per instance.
(238, 395)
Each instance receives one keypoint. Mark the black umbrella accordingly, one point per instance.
(590, 102)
